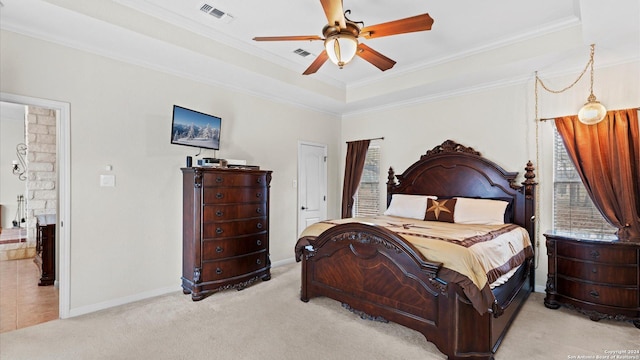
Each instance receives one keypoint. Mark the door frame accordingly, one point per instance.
(326, 178)
(63, 159)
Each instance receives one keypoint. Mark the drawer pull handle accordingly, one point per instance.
(258, 261)
(219, 196)
(594, 270)
(258, 242)
(219, 231)
(219, 179)
(259, 180)
(594, 293)
(219, 249)
(259, 210)
(218, 271)
(258, 195)
(219, 213)
(259, 225)
(595, 254)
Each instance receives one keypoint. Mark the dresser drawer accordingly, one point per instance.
(227, 195)
(229, 212)
(596, 272)
(599, 253)
(234, 228)
(224, 248)
(599, 294)
(234, 179)
(224, 269)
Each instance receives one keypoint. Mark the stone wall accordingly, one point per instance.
(42, 192)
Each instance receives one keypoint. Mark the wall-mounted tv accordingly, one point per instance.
(193, 128)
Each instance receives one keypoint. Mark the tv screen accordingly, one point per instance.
(193, 128)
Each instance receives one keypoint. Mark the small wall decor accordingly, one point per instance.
(19, 167)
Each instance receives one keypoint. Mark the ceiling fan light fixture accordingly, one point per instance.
(341, 48)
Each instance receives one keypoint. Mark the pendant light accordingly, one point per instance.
(593, 111)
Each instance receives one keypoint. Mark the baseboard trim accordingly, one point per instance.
(122, 301)
(283, 262)
(146, 295)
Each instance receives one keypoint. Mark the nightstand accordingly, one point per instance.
(597, 276)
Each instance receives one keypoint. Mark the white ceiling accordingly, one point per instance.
(472, 45)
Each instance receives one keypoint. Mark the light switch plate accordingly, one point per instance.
(108, 180)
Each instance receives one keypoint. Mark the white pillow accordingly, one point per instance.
(408, 206)
(479, 211)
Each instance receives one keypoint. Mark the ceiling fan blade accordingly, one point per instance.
(317, 63)
(411, 24)
(334, 12)
(378, 60)
(287, 38)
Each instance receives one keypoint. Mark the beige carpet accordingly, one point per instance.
(268, 321)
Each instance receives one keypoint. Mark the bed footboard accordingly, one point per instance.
(378, 275)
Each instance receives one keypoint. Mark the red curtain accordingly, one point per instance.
(354, 166)
(607, 157)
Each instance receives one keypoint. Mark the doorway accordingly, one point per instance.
(312, 184)
(62, 161)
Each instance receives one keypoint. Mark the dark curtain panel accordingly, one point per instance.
(607, 157)
(354, 165)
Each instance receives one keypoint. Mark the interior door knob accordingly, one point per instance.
(303, 208)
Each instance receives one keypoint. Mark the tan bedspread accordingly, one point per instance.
(480, 253)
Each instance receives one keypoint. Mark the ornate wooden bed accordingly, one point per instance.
(378, 275)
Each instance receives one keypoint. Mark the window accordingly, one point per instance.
(573, 209)
(367, 199)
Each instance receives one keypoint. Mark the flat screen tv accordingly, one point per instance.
(193, 128)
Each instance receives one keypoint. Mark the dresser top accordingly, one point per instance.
(588, 238)
(221, 169)
(46, 219)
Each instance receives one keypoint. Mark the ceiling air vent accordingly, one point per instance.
(206, 8)
(217, 13)
(302, 52)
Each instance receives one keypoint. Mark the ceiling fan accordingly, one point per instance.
(341, 37)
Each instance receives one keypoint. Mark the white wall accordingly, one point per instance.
(126, 240)
(499, 123)
(12, 132)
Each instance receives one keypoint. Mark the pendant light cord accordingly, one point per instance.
(584, 71)
(537, 120)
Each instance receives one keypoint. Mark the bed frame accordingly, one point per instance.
(379, 276)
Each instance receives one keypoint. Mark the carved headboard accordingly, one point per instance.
(450, 170)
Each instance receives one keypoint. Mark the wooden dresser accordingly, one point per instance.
(46, 248)
(597, 276)
(225, 229)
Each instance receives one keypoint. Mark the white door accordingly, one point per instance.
(312, 184)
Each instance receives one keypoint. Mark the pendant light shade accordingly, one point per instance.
(592, 112)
